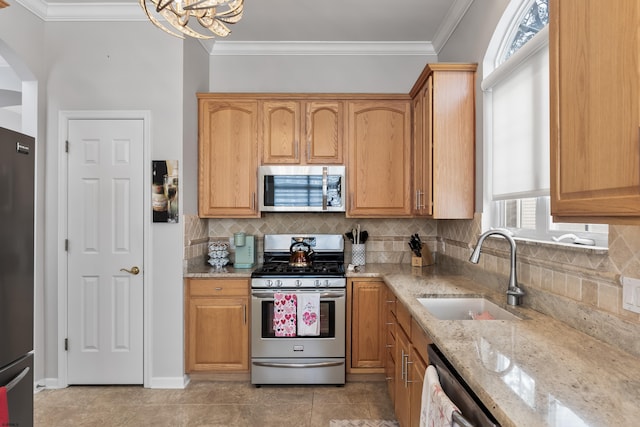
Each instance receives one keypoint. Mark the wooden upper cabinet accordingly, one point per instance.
(324, 132)
(379, 164)
(299, 132)
(443, 101)
(281, 132)
(228, 158)
(594, 52)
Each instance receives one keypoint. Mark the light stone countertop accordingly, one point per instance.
(531, 372)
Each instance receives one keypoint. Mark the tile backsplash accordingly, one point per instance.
(387, 243)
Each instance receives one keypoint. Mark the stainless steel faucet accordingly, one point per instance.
(514, 293)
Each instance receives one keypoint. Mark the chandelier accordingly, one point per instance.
(210, 14)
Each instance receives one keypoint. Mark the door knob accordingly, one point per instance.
(134, 270)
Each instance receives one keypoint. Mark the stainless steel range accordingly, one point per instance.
(299, 269)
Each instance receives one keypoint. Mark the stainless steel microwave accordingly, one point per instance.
(287, 188)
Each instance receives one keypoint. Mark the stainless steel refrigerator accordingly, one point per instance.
(17, 153)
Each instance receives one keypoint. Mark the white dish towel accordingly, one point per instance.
(308, 314)
(436, 409)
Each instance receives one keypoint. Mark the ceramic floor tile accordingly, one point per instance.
(211, 403)
(321, 415)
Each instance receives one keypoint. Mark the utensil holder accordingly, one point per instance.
(358, 254)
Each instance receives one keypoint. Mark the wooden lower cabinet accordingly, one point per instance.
(366, 325)
(217, 325)
(417, 374)
(390, 342)
(410, 366)
(402, 404)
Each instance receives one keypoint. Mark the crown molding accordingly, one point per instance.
(450, 23)
(224, 47)
(85, 12)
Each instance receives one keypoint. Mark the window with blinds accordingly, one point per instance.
(516, 118)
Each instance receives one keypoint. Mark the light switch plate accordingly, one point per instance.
(631, 294)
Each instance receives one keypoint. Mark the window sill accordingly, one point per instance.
(595, 250)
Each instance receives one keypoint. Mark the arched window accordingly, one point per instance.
(516, 128)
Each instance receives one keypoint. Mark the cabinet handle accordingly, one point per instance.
(218, 289)
(389, 345)
(388, 378)
(244, 313)
(419, 203)
(406, 370)
(325, 187)
(389, 323)
(253, 201)
(402, 365)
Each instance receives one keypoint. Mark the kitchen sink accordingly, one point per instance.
(465, 308)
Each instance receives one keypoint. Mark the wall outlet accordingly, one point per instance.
(631, 294)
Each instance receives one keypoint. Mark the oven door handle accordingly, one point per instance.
(299, 365)
(322, 294)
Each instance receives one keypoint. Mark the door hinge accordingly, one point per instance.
(66, 245)
(66, 146)
(66, 344)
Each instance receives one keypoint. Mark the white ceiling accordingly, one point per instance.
(357, 21)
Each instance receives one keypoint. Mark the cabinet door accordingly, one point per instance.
(228, 159)
(218, 334)
(280, 132)
(451, 128)
(595, 115)
(417, 370)
(367, 324)
(379, 164)
(422, 154)
(402, 403)
(324, 132)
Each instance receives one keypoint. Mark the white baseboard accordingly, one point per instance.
(169, 382)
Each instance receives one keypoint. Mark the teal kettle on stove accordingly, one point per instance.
(245, 250)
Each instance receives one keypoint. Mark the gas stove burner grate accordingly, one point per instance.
(315, 269)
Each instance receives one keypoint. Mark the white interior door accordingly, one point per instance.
(105, 233)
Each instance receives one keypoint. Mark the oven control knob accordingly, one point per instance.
(316, 283)
(279, 283)
(269, 283)
(298, 282)
(326, 282)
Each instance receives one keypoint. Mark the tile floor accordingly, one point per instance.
(212, 403)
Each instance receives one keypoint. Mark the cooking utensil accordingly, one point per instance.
(349, 235)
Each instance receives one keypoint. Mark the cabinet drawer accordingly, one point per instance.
(420, 340)
(404, 318)
(218, 287)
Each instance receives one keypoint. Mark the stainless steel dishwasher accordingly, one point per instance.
(474, 413)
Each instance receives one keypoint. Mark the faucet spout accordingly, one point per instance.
(514, 293)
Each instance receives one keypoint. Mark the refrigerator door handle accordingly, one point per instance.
(14, 382)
